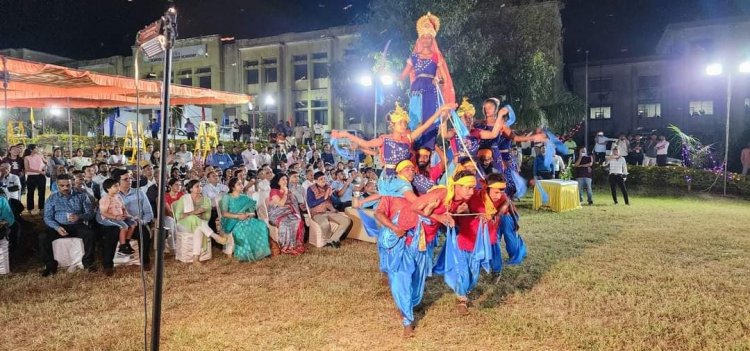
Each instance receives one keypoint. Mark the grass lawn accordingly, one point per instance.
(665, 273)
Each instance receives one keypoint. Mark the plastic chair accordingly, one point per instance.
(183, 251)
(68, 253)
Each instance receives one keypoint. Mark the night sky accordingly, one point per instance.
(86, 29)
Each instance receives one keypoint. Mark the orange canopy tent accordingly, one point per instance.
(33, 84)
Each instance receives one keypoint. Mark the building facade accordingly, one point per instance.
(287, 75)
(639, 95)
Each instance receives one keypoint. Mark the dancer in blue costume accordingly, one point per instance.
(475, 246)
(409, 259)
(431, 83)
(501, 145)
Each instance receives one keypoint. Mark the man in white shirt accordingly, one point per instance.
(623, 145)
(10, 183)
(309, 179)
(213, 190)
(558, 166)
(600, 147)
(265, 156)
(618, 174)
(661, 151)
(184, 157)
(310, 153)
(306, 135)
(318, 128)
(250, 158)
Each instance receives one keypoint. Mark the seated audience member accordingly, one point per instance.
(64, 214)
(138, 206)
(369, 197)
(192, 212)
(322, 211)
(214, 191)
(296, 189)
(238, 219)
(112, 213)
(342, 188)
(284, 214)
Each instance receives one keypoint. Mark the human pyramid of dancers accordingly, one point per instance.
(451, 195)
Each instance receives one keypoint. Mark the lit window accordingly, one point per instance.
(701, 108)
(649, 110)
(601, 112)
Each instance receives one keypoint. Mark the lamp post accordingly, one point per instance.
(384, 79)
(716, 69)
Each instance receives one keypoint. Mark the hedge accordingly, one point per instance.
(670, 180)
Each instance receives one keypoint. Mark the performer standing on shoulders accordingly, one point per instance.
(431, 83)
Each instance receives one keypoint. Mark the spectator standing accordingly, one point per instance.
(618, 173)
(649, 158)
(542, 170)
(279, 157)
(600, 146)
(745, 159)
(10, 183)
(35, 167)
(190, 129)
(154, 127)
(623, 146)
(64, 214)
(318, 129)
(16, 163)
(327, 155)
(245, 131)
(572, 146)
(636, 151)
(661, 151)
(236, 130)
(583, 174)
(265, 156)
(559, 166)
(307, 135)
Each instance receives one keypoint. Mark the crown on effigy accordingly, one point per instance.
(428, 24)
(399, 114)
(466, 108)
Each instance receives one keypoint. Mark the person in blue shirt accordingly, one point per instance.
(136, 203)
(65, 213)
(542, 169)
(342, 188)
(221, 159)
(154, 126)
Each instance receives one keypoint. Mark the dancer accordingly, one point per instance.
(396, 146)
(475, 246)
(431, 83)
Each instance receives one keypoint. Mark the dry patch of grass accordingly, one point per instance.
(664, 273)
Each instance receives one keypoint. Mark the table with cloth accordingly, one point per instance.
(563, 195)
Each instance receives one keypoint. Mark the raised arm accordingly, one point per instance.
(424, 126)
(378, 142)
(498, 127)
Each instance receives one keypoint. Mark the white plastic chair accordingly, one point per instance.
(183, 250)
(68, 253)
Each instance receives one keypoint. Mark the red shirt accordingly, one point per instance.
(409, 217)
(390, 205)
(468, 226)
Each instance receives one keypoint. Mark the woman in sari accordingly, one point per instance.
(283, 212)
(192, 212)
(238, 218)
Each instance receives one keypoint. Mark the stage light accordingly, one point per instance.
(714, 69)
(269, 100)
(365, 80)
(55, 111)
(745, 67)
(250, 106)
(386, 79)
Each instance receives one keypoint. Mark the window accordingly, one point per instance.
(270, 72)
(204, 77)
(271, 75)
(320, 104)
(186, 80)
(320, 65)
(300, 117)
(300, 71)
(320, 116)
(603, 85)
(251, 72)
(601, 112)
(701, 108)
(649, 110)
(230, 112)
(204, 82)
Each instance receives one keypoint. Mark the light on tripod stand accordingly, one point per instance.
(151, 40)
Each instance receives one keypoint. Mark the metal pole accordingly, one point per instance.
(586, 97)
(170, 27)
(726, 139)
(70, 131)
(375, 126)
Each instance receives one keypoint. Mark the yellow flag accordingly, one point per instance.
(32, 116)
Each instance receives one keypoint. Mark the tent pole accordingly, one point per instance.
(70, 131)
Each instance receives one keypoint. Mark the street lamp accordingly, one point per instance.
(716, 69)
(269, 100)
(383, 80)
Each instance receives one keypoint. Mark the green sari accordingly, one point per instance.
(250, 235)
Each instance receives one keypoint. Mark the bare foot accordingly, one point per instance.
(462, 307)
(408, 332)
